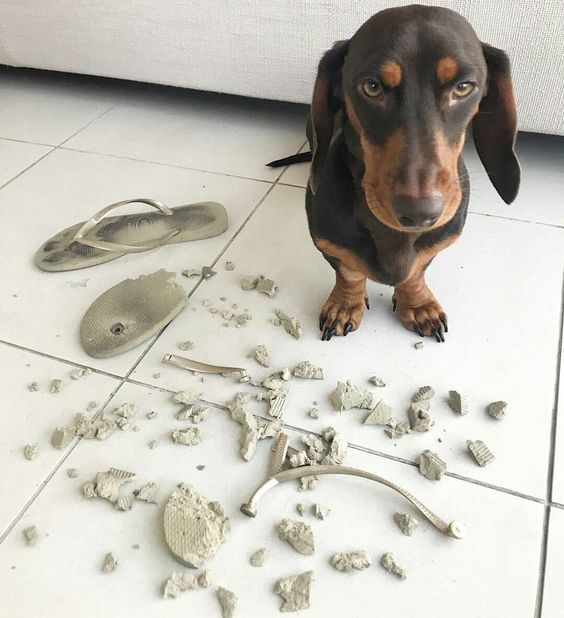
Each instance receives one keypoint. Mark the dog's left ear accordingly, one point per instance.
(494, 127)
(324, 106)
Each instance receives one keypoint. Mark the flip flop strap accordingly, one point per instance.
(106, 245)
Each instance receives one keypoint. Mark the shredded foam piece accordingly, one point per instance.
(423, 394)
(376, 381)
(106, 484)
(229, 266)
(179, 582)
(299, 459)
(123, 503)
(480, 451)
(185, 345)
(291, 325)
(381, 414)
(110, 563)
(358, 560)
(126, 410)
(457, 403)
(55, 386)
(72, 473)
(186, 398)
(295, 591)
(308, 371)
(397, 430)
(431, 465)
(227, 601)
(497, 409)
(249, 283)
(200, 415)
(407, 523)
(80, 372)
(205, 579)
(418, 345)
(419, 417)
(321, 512)
(313, 413)
(152, 414)
(338, 446)
(273, 382)
(285, 374)
(30, 535)
(194, 528)
(346, 396)
(267, 286)
(147, 493)
(262, 355)
(277, 403)
(189, 437)
(153, 444)
(300, 508)
(30, 451)
(298, 535)
(308, 483)
(389, 562)
(33, 387)
(258, 558)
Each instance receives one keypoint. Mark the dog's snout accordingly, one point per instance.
(418, 211)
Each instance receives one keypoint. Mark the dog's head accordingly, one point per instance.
(408, 83)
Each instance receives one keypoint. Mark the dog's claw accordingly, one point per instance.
(438, 335)
(367, 302)
(444, 320)
(327, 334)
(321, 322)
(419, 330)
(394, 305)
(347, 329)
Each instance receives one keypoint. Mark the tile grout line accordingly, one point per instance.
(171, 165)
(551, 459)
(25, 141)
(53, 148)
(60, 359)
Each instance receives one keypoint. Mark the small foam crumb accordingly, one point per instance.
(298, 535)
(147, 493)
(314, 413)
(291, 325)
(262, 355)
(110, 563)
(72, 473)
(418, 345)
(321, 512)
(423, 394)
(200, 415)
(92, 405)
(33, 387)
(480, 452)
(227, 601)
(457, 403)
(30, 451)
(300, 508)
(189, 437)
(205, 579)
(55, 386)
(407, 523)
(431, 466)
(80, 372)
(267, 286)
(229, 266)
(185, 345)
(30, 535)
(152, 414)
(397, 430)
(376, 381)
(381, 414)
(346, 396)
(308, 371)
(152, 444)
(258, 558)
(497, 409)
(179, 582)
(358, 560)
(295, 591)
(123, 503)
(389, 562)
(156, 376)
(200, 467)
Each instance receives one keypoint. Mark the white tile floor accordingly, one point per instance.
(70, 145)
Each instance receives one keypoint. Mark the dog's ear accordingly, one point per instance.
(495, 125)
(324, 106)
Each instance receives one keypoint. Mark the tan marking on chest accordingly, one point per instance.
(349, 259)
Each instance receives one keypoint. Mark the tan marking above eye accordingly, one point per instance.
(391, 74)
(447, 68)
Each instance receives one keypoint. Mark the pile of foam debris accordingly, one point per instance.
(195, 528)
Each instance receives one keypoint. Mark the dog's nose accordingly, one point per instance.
(418, 211)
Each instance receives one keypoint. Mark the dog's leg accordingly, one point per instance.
(414, 302)
(343, 310)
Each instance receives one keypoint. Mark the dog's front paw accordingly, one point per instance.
(340, 315)
(427, 320)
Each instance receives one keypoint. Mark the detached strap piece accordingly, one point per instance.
(105, 245)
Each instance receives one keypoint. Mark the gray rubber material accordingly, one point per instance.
(129, 313)
(195, 221)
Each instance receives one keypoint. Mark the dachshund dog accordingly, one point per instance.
(388, 189)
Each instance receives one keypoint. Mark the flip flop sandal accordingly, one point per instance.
(89, 243)
(130, 313)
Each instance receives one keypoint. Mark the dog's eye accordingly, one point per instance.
(463, 90)
(372, 88)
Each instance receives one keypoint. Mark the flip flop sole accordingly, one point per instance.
(195, 221)
(129, 313)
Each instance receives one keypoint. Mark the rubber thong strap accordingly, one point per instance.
(106, 245)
